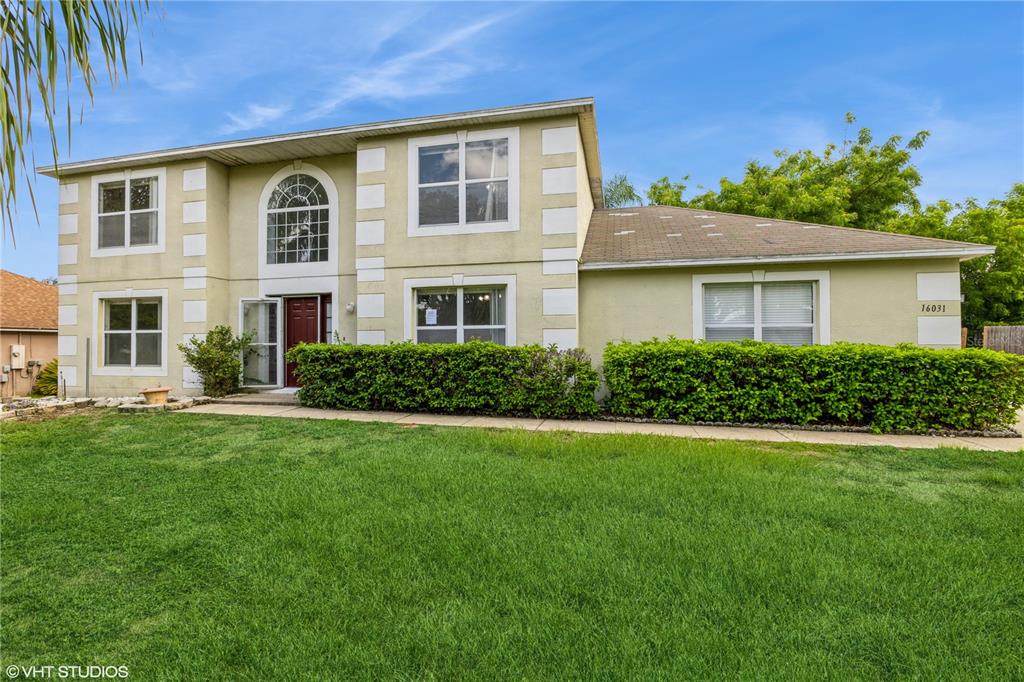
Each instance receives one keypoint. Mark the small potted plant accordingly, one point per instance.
(155, 396)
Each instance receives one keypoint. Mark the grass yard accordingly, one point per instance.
(212, 547)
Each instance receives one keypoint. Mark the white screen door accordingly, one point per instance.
(261, 361)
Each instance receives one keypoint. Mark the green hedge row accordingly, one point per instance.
(474, 377)
(886, 388)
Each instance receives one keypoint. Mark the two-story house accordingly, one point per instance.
(477, 225)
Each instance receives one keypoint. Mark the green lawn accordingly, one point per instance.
(209, 547)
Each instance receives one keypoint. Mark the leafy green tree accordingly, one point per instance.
(41, 39)
(859, 183)
(664, 192)
(619, 191)
(993, 286)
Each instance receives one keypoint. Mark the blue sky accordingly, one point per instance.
(682, 88)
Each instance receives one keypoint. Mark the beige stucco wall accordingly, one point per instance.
(522, 245)
(39, 346)
(517, 253)
(231, 226)
(247, 186)
(218, 248)
(585, 201)
(89, 329)
(81, 282)
(529, 286)
(870, 302)
(137, 266)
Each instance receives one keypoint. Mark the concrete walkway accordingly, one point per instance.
(680, 430)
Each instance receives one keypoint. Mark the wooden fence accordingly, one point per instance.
(1008, 339)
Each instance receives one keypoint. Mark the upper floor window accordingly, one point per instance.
(298, 216)
(464, 182)
(129, 212)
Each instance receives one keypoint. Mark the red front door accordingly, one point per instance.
(302, 324)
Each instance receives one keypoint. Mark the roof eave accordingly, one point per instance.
(961, 253)
(578, 105)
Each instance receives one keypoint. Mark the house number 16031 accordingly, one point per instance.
(933, 307)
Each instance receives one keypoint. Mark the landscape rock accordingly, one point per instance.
(135, 408)
(50, 404)
(180, 403)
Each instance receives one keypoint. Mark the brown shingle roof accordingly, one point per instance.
(27, 303)
(667, 235)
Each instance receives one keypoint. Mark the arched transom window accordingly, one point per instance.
(297, 221)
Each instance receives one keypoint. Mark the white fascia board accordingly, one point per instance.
(383, 127)
(815, 258)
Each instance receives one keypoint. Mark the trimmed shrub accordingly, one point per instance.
(902, 388)
(217, 359)
(474, 377)
(46, 381)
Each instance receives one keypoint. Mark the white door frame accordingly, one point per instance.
(276, 300)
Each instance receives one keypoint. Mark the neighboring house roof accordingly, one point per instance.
(27, 303)
(668, 236)
(344, 140)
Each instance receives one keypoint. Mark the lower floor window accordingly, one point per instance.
(459, 314)
(132, 334)
(778, 312)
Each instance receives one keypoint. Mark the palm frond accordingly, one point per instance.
(44, 46)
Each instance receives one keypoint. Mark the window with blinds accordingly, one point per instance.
(728, 312)
(777, 312)
(787, 313)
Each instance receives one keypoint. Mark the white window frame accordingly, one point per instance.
(290, 271)
(410, 287)
(127, 176)
(279, 302)
(818, 278)
(460, 325)
(269, 211)
(99, 300)
(132, 331)
(463, 227)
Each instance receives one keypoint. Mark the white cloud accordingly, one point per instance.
(426, 71)
(255, 116)
(429, 70)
